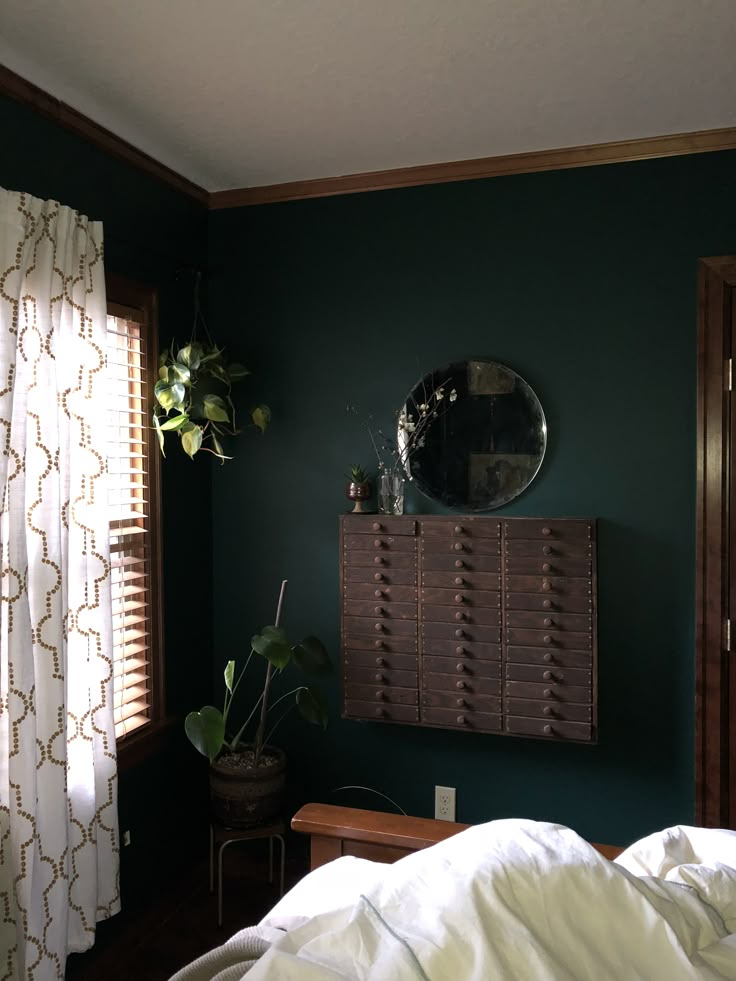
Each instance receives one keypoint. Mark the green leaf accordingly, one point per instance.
(190, 356)
(157, 427)
(211, 354)
(261, 417)
(272, 644)
(175, 422)
(237, 371)
(214, 408)
(312, 657)
(191, 440)
(163, 373)
(229, 675)
(179, 373)
(206, 731)
(219, 450)
(169, 396)
(312, 705)
(217, 370)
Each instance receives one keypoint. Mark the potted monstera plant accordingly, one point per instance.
(247, 772)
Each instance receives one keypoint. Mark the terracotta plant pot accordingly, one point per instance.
(358, 493)
(244, 796)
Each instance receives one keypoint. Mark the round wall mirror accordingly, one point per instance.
(476, 435)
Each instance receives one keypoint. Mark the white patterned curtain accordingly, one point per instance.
(59, 845)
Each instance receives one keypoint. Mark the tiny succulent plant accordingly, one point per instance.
(358, 474)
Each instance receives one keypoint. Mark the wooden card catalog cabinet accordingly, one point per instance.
(477, 623)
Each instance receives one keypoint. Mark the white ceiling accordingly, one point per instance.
(239, 93)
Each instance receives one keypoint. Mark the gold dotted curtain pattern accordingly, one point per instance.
(59, 844)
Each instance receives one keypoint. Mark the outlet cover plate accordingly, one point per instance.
(444, 803)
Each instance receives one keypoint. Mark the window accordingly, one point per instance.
(133, 501)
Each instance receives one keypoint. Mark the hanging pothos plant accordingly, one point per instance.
(193, 393)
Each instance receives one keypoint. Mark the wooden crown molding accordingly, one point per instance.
(21, 90)
(466, 170)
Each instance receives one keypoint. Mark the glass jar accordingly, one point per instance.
(391, 493)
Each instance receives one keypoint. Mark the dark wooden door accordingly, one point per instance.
(715, 698)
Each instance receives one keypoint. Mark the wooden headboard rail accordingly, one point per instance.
(337, 831)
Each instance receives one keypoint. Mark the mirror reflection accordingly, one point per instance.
(483, 449)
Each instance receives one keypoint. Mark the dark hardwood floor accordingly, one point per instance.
(153, 939)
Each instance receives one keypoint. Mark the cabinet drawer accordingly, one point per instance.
(461, 597)
(380, 676)
(547, 551)
(549, 621)
(461, 615)
(380, 543)
(385, 560)
(461, 701)
(436, 562)
(562, 694)
(461, 546)
(543, 601)
(578, 677)
(379, 628)
(374, 693)
(461, 667)
(460, 528)
(552, 729)
(552, 585)
(389, 577)
(368, 524)
(558, 529)
(385, 711)
(380, 608)
(547, 567)
(407, 645)
(550, 638)
(369, 659)
(440, 681)
(380, 591)
(487, 582)
(538, 655)
(464, 632)
(473, 721)
(549, 711)
(454, 648)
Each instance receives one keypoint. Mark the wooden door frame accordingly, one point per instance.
(716, 280)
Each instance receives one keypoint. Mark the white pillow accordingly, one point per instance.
(660, 853)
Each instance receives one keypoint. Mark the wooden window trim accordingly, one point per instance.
(138, 301)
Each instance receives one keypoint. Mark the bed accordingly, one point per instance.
(394, 898)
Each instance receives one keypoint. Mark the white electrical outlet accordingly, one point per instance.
(444, 803)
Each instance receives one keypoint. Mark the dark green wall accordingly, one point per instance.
(584, 281)
(150, 232)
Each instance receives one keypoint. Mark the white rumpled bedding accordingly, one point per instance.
(516, 900)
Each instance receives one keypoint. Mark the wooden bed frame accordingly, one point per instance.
(336, 831)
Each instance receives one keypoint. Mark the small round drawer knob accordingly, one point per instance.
(548, 621)
(378, 560)
(461, 703)
(548, 693)
(548, 676)
(459, 633)
(378, 626)
(460, 651)
(380, 677)
(378, 577)
(458, 529)
(380, 695)
(459, 598)
(378, 543)
(376, 526)
(378, 611)
(547, 639)
(548, 710)
(460, 685)
(380, 710)
(547, 604)
(546, 586)
(546, 567)
(459, 615)
(378, 643)
(380, 661)
(546, 550)
(461, 720)
(549, 657)
(546, 531)
(458, 546)
(459, 580)
(459, 564)
(378, 593)
(547, 730)
(460, 668)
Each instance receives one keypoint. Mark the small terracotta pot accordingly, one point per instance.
(358, 493)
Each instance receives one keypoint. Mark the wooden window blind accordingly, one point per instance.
(132, 501)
